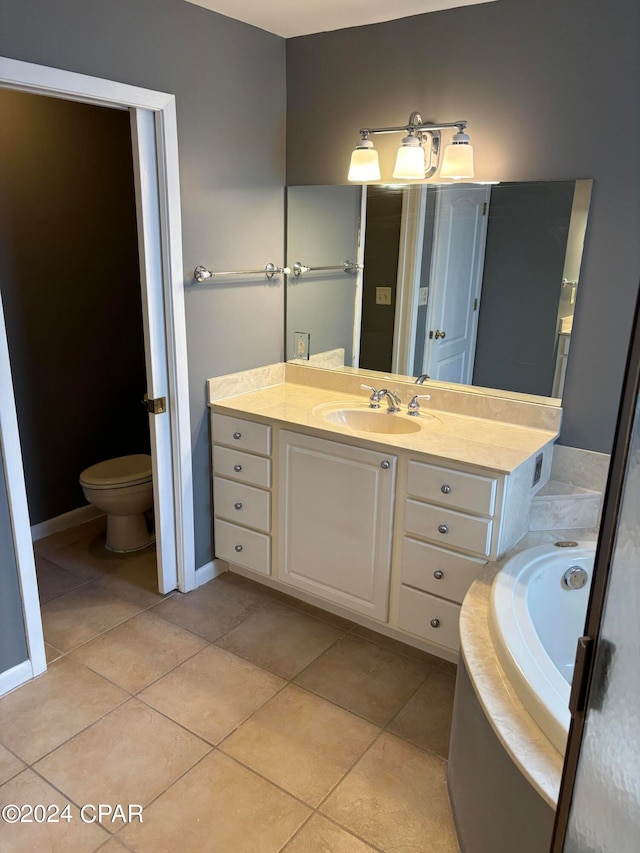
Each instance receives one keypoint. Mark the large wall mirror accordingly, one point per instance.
(465, 283)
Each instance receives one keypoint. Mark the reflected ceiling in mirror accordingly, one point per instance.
(473, 284)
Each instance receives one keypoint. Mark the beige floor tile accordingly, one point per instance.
(57, 541)
(280, 638)
(44, 713)
(222, 691)
(218, 807)
(213, 609)
(65, 836)
(319, 835)
(450, 668)
(51, 653)
(136, 580)
(396, 799)
(10, 766)
(87, 557)
(130, 756)
(112, 846)
(426, 718)
(139, 651)
(312, 610)
(54, 581)
(301, 742)
(365, 678)
(396, 646)
(83, 614)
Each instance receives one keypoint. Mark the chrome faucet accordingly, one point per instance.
(393, 400)
(413, 407)
(420, 380)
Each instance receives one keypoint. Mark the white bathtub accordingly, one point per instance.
(535, 624)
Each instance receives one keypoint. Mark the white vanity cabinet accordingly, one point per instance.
(335, 506)
(371, 528)
(241, 492)
(450, 528)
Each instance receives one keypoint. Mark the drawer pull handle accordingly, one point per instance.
(435, 623)
(237, 505)
(237, 468)
(438, 574)
(446, 490)
(237, 435)
(238, 548)
(385, 464)
(443, 528)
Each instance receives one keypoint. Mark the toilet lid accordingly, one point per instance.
(123, 470)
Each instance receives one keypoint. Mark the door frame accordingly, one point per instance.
(157, 162)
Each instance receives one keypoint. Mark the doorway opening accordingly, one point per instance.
(153, 137)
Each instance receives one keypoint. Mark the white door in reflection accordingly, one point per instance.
(459, 240)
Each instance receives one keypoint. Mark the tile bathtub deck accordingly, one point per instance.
(240, 720)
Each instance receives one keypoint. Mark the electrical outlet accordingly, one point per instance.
(383, 296)
(301, 344)
(423, 295)
(538, 469)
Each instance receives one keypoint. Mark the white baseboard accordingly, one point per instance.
(15, 676)
(64, 521)
(210, 571)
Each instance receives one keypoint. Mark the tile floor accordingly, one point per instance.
(240, 719)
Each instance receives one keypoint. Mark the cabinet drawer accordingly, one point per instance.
(448, 528)
(243, 547)
(245, 435)
(241, 504)
(429, 617)
(243, 467)
(438, 571)
(455, 489)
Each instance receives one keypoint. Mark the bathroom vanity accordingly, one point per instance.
(384, 518)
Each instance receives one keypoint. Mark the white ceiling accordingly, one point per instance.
(290, 18)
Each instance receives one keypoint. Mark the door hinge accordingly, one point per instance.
(484, 208)
(475, 304)
(157, 406)
(581, 675)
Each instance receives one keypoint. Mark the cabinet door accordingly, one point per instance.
(335, 521)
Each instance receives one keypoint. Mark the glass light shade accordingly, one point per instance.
(364, 165)
(410, 161)
(457, 162)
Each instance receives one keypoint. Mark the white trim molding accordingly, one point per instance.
(210, 571)
(63, 522)
(16, 676)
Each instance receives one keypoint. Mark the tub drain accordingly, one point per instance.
(566, 544)
(574, 578)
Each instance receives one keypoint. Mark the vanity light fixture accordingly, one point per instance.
(419, 153)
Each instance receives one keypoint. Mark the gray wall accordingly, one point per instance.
(71, 292)
(13, 644)
(229, 83)
(322, 230)
(551, 91)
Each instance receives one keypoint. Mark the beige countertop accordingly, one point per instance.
(489, 444)
(530, 749)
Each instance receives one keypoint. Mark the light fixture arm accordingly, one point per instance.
(414, 125)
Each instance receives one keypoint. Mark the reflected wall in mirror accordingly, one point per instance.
(468, 283)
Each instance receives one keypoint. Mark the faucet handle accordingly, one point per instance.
(376, 396)
(413, 407)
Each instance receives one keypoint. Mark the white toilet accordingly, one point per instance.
(123, 489)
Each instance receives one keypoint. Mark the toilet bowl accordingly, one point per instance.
(123, 489)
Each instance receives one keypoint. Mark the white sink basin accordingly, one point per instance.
(369, 420)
